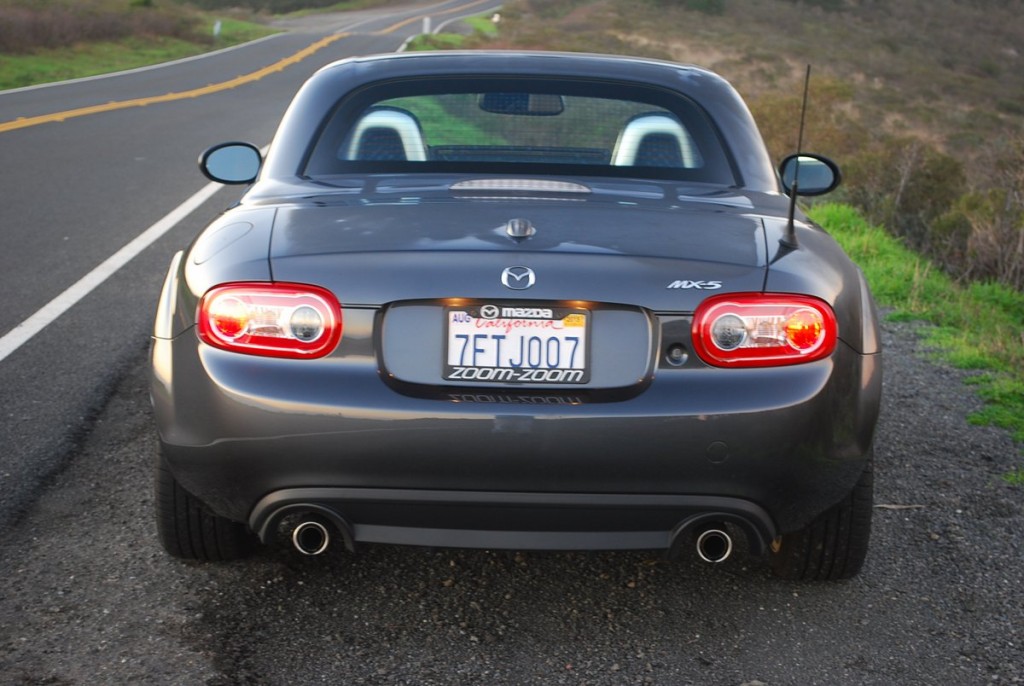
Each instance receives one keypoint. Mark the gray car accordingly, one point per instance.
(517, 301)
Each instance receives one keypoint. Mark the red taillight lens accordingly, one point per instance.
(763, 330)
(272, 319)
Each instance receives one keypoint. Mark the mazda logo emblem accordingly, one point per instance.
(518, 278)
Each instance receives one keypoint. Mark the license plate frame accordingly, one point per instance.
(512, 343)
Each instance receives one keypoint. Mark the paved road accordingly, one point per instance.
(73, 192)
(86, 595)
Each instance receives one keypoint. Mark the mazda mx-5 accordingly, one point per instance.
(522, 301)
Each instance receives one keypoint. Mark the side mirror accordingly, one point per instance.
(817, 175)
(231, 163)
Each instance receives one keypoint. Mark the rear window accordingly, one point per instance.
(520, 126)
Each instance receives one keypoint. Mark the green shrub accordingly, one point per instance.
(713, 7)
(976, 326)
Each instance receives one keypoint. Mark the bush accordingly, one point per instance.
(995, 241)
(272, 6)
(922, 196)
(24, 29)
(918, 192)
(713, 7)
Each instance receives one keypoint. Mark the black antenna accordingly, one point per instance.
(789, 238)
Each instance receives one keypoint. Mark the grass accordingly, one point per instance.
(1015, 478)
(437, 41)
(483, 25)
(90, 59)
(344, 6)
(482, 28)
(975, 326)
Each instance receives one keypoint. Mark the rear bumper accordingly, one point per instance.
(513, 521)
(768, 449)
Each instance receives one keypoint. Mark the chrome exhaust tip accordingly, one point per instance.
(311, 537)
(714, 545)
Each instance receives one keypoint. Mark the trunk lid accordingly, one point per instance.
(660, 255)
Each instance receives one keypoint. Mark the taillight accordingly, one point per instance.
(763, 330)
(271, 319)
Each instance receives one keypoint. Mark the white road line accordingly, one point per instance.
(23, 332)
(20, 334)
(410, 39)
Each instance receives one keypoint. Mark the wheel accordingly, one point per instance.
(834, 545)
(187, 529)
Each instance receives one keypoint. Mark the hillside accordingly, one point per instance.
(948, 71)
(922, 101)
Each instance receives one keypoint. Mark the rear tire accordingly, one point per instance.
(188, 530)
(834, 545)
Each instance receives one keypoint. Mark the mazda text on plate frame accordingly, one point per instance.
(523, 301)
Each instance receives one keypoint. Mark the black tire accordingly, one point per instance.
(834, 545)
(188, 530)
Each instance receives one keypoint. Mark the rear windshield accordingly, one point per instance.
(520, 126)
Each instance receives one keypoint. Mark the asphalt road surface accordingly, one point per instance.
(75, 188)
(87, 596)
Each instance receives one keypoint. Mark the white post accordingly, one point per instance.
(426, 24)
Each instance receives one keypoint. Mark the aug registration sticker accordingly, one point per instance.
(516, 344)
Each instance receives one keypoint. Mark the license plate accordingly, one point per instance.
(515, 344)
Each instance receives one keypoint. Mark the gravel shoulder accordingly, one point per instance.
(86, 596)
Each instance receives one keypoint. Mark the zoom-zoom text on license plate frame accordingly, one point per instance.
(516, 344)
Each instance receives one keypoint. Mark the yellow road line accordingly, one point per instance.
(25, 122)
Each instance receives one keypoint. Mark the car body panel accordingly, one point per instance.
(687, 432)
(373, 435)
(376, 267)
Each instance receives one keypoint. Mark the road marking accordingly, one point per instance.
(440, 26)
(25, 122)
(419, 17)
(45, 316)
(281, 65)
(17, 336)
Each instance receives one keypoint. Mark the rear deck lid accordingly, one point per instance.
(659, 255)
